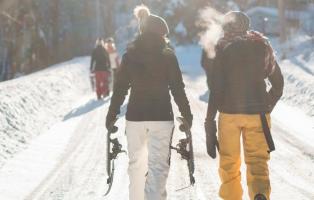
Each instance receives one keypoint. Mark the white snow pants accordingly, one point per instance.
(149, 152)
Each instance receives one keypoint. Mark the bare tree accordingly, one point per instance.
(55, 26)
(108, 16)
(282, 20)
(4, 4)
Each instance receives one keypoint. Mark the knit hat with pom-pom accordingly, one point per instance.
(149, 22)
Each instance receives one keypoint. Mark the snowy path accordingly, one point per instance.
(68, 162)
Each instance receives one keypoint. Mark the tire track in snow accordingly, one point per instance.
(76, 145)
(96, 174)
(290, 167)
(81, 174)
(206, 168)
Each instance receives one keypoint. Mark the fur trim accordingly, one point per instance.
(141, 12)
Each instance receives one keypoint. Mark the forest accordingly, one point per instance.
(35, 34)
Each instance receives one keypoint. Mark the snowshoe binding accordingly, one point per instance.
(185, 148)
(114, 148)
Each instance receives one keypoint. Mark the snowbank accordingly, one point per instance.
(30, 104)
(298, 70)
(299, 87)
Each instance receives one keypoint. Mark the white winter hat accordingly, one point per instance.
(149, 22)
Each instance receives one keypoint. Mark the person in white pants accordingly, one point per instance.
(149, 153)
(150, 70)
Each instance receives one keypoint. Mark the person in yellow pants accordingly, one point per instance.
(231, 127)
(243, 60)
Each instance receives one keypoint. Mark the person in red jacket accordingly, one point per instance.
(100, 66)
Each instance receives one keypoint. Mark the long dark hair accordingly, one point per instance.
(99, 43)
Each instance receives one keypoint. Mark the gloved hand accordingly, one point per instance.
(211, 138)
(189, 122)
(110, 121)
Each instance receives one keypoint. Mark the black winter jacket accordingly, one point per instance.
(150, 70)
(238, 85)
(100, 59)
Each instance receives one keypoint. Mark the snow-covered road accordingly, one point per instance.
(68, 161)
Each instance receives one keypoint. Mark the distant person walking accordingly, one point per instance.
(151, 71)
(100, 66)
(238, 91)
(113, 56)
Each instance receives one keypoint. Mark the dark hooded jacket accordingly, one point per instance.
(150, 69)
(238, 85)
(100, 59)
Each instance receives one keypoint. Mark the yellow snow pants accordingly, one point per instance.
(230, 128)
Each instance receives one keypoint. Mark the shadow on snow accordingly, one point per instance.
(86, 108)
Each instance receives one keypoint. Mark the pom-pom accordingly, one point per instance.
(141, 12)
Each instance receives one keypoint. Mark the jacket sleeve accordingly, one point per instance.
(277, 82)
(217, 88)
(177, 86)
(121, 87)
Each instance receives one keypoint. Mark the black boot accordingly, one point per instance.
(260, 197)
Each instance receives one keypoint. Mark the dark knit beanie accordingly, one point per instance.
(236, 22)
(154, 24)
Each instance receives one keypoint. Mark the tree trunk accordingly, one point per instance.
(108, 16)
(4, 4)
(55, 28)
(282, 20)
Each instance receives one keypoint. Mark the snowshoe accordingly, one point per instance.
(114, 148)
(185, 148)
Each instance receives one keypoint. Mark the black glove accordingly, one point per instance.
(110, 121)
(211, 138)
(189, 121)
